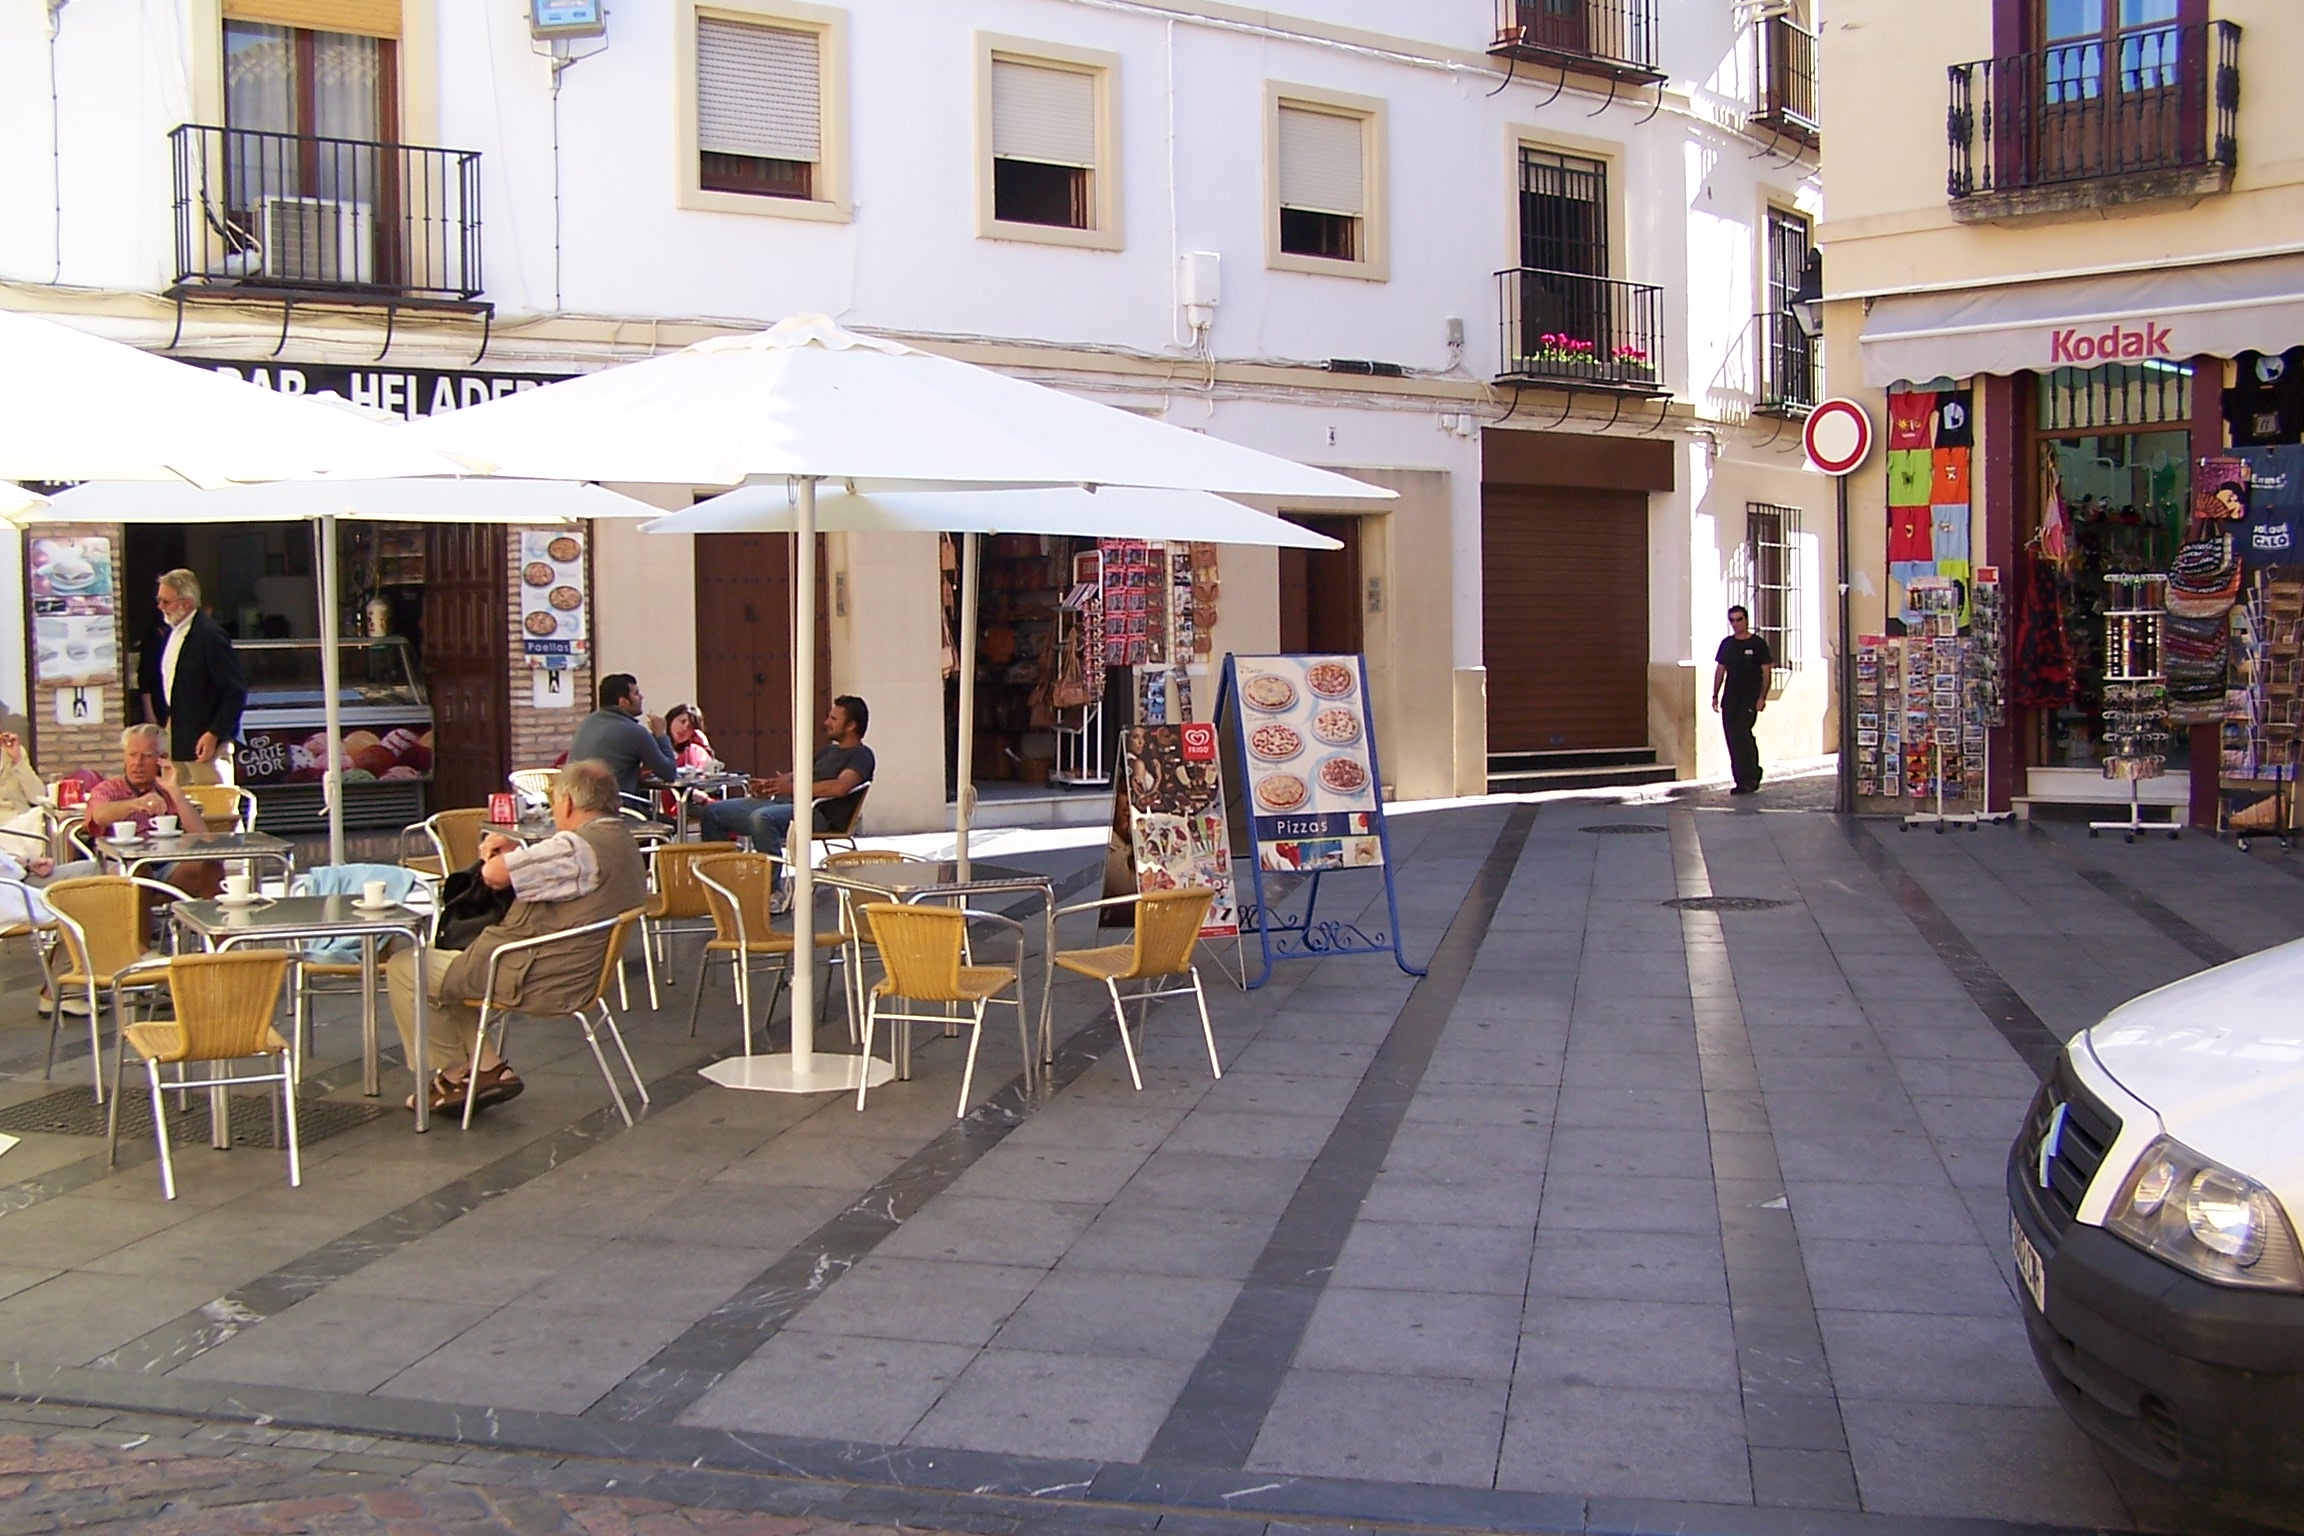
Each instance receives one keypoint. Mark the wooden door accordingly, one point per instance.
(467, 661)
(1565, 588)
(744, 647)
(1320, 592)
(1559, 25)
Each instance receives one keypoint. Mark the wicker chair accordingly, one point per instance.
(533, 785)
(101, 923)
(225, 807)
(737, 888)
(923, 951)
(224, 1009)
(455, 839)
(1167, 928)
(618, 929)
(678, 904)
(853, 929)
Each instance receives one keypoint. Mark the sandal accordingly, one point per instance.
(447, 1093)
(498, 1085)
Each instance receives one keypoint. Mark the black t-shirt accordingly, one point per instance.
(832, 760)
(1744, 660)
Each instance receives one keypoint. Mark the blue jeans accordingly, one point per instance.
(766, 822)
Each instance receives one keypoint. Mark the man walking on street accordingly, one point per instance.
(1741, 670)
(191, 681)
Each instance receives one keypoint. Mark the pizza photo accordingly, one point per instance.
(1268, 693)
(1274, 742)
(1337, 726)
(1330, 679)
(564, 549)
(1342, 775)
(541, 625)
(566, 599)
(1280, 792)
(537, 573)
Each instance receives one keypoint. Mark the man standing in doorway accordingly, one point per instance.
(191, 681)
(1741, 670)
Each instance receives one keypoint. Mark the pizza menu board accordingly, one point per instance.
(1305, 731)
(1177, 833)
(552, 609)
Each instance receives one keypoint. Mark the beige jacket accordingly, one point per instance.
(556, 979)
(20, 788)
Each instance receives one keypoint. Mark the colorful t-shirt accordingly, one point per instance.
(1948, 533)
(1955, 424)
(1908, 537)
(1910, 472)
(1911, 422)
(1948, 478)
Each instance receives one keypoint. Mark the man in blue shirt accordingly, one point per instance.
(620, 735)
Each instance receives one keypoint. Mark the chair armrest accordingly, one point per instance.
(519, 946)
(15, 901)
(1109, 901)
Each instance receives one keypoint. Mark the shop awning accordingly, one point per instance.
(2171, 315)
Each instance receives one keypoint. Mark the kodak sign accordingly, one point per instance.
(2122, 343)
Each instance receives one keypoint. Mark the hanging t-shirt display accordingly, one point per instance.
(2270, 533)
(1908, 537)
(1955, 426)
(1910, 473)
(1931, 437)
(1911, 422)
(1948, 479)
(1948, 533)
(2265, 404)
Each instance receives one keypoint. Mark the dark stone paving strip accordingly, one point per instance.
(62, 1180)
(698, 1360)
(1792, 1425)
(1216, 1418)
(921, 1488)
(204, 1328)
(2198, 942)
(2031, 1040)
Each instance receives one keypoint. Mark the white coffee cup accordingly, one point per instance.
(165, 826)
(372, 894)
(239, 887)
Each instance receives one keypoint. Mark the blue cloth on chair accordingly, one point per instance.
(347, 880)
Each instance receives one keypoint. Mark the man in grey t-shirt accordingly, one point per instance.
(621, 736)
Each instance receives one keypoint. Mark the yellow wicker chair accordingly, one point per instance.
(224, 1009)
(737, 888)
(619, 931)
(923, 951)
(853, 930)
(1167, 928)
(533, 785)
(676, 905)
(455, 839)
(101, 928)
(225, 807)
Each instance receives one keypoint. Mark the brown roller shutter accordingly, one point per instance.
(1565, 587)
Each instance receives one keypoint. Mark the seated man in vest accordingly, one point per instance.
(843, 766)
(587, 871)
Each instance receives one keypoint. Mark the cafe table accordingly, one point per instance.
(534, 829)
(288, 921)
(134, 856)
(716, 786)
(918, 880)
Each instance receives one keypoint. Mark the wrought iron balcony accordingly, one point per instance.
(1791, 372)
(1614, 38)
(2149, 113)
(1785, 78)
(327, 219)
(1575, 329)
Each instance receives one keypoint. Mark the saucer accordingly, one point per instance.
(249, 900)
(361, 904)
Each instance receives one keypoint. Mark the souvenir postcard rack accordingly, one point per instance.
(2264, 707)
(2135, 695)
(1927, 700)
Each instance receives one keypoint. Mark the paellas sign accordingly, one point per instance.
(406, 393)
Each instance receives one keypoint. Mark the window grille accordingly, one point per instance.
(1765, 578)
(2116, 395)
(1564, 213)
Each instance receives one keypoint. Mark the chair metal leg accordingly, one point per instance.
(703, 960)
(1207, 1030)
(472, 1068)
(871, 1017)
(295, 1151)
(624, 986)
(1120, 1017)
(592, 1039)
(968, 1072)
(648, 959)
(617, 1035)
(112, 1116)
(160, 1130)
(743, 964)
(96, 1034)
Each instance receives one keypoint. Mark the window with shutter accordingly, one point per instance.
(759, 108)
(1322, 160)
(1043, 144)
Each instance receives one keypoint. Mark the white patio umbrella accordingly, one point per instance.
(325, 503)
(74, 406)
(806, 402)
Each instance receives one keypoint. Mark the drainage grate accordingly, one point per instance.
(1624, 829)
(75, 1112)
(1725, 903)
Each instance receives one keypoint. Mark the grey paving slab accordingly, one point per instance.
(1156, 1241)
(1602, 1441)
(1626, 1266)
(536, 1355)
(1501, 1197)
(1667, 1152)
(1026, 1403)
(1405, 1333)
(1100, 1312)
(77, 1317)
(835, 1386)
(1397, 1429)
(1621, 1203)
(1978, 1461)
(1654, 1345)
(931, 1300)
(1214, 1181)
(985, 1230)
(1916, 1213)
(1904, 1277)
(341, 1341)
(1427, 1256)
(658, 1279)
(1070, 1174)
(1918, 1357)
(1423, 1149)
(1630, 1108)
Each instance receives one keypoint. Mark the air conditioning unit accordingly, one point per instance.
(318, 241)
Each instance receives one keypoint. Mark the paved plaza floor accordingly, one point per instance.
(1626, 1216)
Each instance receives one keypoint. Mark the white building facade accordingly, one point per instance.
(1526, 261)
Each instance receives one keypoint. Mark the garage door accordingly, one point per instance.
(1565, 582)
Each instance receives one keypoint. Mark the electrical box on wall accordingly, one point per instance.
(567, 18)
(1200, 285)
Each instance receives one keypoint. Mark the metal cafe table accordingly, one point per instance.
(133, 857)
(534, 829)
(917, 880)
(286, 921)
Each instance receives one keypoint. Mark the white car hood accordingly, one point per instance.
(2220, 1057)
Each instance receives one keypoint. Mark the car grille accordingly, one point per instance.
(2087, 1134)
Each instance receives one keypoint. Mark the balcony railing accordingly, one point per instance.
(1791, 366)
(2150, 113)
(317, 217)
(1607, 37)
(1785, 77)
(1571, 328)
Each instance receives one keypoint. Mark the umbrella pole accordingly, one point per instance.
(964, 780)
(331, 687)
(800, 847)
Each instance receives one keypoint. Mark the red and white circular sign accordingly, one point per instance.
(1838, 436)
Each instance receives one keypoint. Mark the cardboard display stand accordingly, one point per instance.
(1302, 732)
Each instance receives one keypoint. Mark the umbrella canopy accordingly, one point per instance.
(1115, 512)
(77, 407)
(808, 399)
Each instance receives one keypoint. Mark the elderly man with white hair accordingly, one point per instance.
(191, 681)
(148, 786)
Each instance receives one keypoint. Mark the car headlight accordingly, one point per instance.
(2207, 1220)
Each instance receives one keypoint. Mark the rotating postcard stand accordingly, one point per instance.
(1305, 739)
(2136, 698)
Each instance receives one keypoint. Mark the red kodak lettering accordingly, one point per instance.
(2071, 345)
